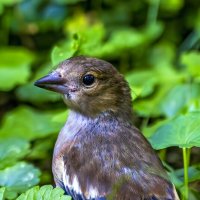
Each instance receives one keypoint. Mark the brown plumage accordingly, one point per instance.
(99, 154)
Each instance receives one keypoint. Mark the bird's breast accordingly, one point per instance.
(72, 169)
(66, 173)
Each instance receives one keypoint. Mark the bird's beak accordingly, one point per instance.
(53, 81)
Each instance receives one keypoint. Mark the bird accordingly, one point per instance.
(99, 153)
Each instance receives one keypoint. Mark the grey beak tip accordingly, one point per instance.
(36, 83)
(53, 82)
(39, 82)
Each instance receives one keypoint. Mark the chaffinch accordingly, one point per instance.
(99, 153)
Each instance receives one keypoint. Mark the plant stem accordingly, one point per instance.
(188, 156)
(185, 163)
(153, 12)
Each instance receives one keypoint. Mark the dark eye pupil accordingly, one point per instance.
(88, 79)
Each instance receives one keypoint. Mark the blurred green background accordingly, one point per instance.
(154, 43)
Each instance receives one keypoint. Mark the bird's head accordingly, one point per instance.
(89, 86)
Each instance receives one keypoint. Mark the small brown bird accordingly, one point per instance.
(99, 153)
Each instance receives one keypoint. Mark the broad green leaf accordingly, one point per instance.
(162, 101)
(46, 192)
(181, 131)
(60, 117)
(149, 130)
(25, 122)
(163, 78)
(151, 106)
(42, 147)
(116, 42)
(192, 62)
(14, 67)
(145, 80)
(64, 51)
(91, 47)
(132, 36)
(11, 150)
(19, 178)
(179, 97)
(2, 191)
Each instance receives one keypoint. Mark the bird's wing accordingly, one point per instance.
(174, 196)
(77, 196)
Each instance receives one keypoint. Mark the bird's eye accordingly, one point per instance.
(88, 79)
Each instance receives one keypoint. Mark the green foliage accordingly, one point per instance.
(21, 123)
(18, 178)
(14, 67)
(45, 192)
(181, 131)
(192, 63)
(11, 150)
(151, 42)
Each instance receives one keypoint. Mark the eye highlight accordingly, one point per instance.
(88, 79)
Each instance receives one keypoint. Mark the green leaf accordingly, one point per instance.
(25, 122)
(14, 67)
(60, 117)
(41, 148)
(172, 5)
(64, 51)
(107, 50)
(162, 77)
(2, 191)
(152, 31)
(133, 39)
(46, 192)
(145, 80)
(10, 2)
(80, 32)
(179, 97)
(192, 62)
(36, 95)
(11, 150)
(19, 178)
(149, 130)
(162, 54)
(151, 106)
(181, 131)
(177, 176)
(193, 173)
